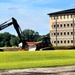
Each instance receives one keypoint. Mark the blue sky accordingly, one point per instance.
(31, 14)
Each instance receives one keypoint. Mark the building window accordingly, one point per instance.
(71, 33)
(71, 15)
(61, 17)
(67, 33)
(64, 41)
(64, 16)
(57, 17)
(51, 17)
(61, 41)
(68, 41)
(67, 16)
(60, 25)
(61, 33)
(57, 25)
(67, 25)
(54, 33)
(71, 41)
(64, 33)
(64, 25)
(54, 41)
(57, 41)
(54, 17)
(54, 26)
(71, 24)
(57, 33)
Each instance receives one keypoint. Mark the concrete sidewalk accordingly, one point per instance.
(66, 70)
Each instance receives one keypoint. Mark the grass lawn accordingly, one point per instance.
(25, 59)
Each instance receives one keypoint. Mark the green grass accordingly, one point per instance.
(24, 59)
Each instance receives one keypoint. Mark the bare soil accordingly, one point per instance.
(66, 70)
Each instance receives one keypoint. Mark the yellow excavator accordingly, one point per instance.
(43, 44)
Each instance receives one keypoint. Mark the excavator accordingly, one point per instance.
(43, 44)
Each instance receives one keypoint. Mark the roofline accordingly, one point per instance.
(63, 12)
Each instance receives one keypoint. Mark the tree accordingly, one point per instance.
(6, 39)
(1, 40)
(14, 40)
(42, 36)
(30, 35)
(48, 35)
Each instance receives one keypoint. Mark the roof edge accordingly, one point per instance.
(63, 11)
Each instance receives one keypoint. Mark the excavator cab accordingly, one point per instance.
(46, 41)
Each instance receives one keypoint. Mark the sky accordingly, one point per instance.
(31, 14)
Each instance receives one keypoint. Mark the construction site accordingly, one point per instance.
(44, 44)
(61, 33)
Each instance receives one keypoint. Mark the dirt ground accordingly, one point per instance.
(67, 70)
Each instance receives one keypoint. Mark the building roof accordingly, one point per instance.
(63, 12)
(30, 43)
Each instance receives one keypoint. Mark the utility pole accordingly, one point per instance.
(73, 29)
(56, 28)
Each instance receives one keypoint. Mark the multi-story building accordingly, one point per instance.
(62, 27)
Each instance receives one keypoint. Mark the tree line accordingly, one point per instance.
(8, 40)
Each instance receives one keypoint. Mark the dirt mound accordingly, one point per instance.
(11, 49)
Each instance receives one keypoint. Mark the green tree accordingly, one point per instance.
(6, 38)
(1, 40)
(30, 35)
(42, 36)
(48, 35)
(14, 40)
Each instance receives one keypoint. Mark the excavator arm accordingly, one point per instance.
(3, 26)
(17, 28)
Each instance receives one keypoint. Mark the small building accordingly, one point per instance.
(29, 44)
(62, 27)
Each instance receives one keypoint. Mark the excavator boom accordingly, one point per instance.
(3, 26)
